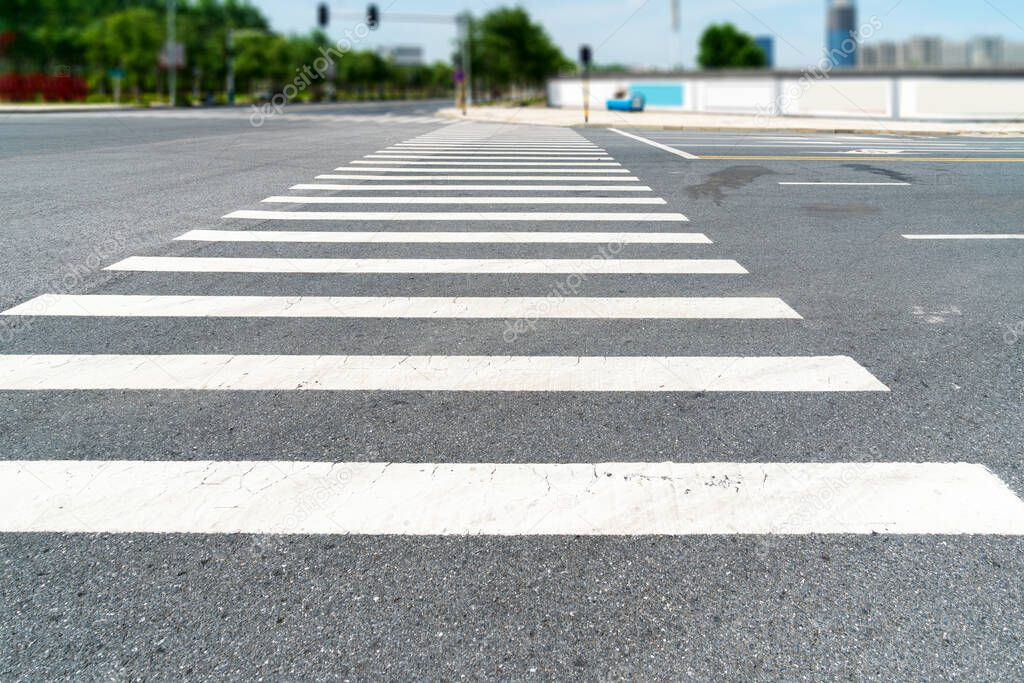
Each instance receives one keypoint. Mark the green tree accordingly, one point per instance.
(723, 46)
(94, 36)
(203, 27)
(129, 40)
(251, 59)
(509, 49)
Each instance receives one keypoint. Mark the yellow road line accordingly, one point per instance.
(857, 157)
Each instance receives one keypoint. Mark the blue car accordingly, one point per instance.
(634, 102)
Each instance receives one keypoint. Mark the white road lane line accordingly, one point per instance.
(504, 499)
(504, 169)
(599, 308)
(842, 183)
(408, 237)
(306, 199)
(969, 236)
(198, 264)
(454, 216)
(517, 178)
(652, 143)
(437, 187)
(435, 373)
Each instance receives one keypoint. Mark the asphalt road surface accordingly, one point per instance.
(499, 402)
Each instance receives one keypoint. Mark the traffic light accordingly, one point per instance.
(372, 16)
(322, 15)
(585, 56)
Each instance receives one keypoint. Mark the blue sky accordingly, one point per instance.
(636, 32)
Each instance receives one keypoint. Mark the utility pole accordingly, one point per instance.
(172, 57)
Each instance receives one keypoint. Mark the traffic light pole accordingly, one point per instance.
(585, 58)
(462, 26)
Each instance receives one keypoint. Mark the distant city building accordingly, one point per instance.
(932, 52)
(841, 33)
(884, 55)
(1013, 54)
(767, 44)
(986, 52)
(922, 51)
(954, 55)
(403, 55)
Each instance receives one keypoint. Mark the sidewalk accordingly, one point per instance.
(541, 116)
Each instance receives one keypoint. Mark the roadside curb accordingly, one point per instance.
(1015, 129)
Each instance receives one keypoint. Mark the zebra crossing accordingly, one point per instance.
(599, 498)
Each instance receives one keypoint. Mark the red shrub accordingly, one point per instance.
(19, 88)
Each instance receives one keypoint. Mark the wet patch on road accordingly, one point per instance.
(716, 184)
(878, 170)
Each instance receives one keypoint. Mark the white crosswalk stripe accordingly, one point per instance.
(531, 162)
(505, 168)
(491, 157)
(599, 498)
(434, 373)
(424, 237)
(445, 187)
(476, 153)
(611, 498)
(200, 264)
(478, 178)
(587, 201)
(534, 216)
(640, 308)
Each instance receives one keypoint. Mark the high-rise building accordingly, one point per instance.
(841, 33)
(922, 52)
(954, 55)
(767, 45)
(890, 56)
(1013, 54)
(928, 52)
(986, 51)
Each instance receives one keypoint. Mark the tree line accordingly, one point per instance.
(94, 41)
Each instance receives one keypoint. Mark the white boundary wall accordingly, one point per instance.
(892, 96)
